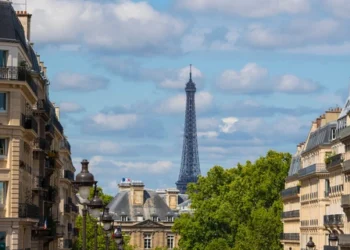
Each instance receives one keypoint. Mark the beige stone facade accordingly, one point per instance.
(36, 170)
(317, 190)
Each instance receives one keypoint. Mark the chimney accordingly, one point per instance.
(124, 186)
(137, 189)
(25, 20)
(171, 197)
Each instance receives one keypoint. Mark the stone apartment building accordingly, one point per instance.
(147, 215)
(37, 202)
(317, 190)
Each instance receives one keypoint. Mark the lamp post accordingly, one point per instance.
(84, 180)
(107, 223)
(118, 238)
(333, 239)
(95, 205)
(310, 245)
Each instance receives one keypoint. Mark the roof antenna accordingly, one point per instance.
(190, 71)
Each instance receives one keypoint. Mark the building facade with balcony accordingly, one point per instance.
(30, 136)
(323, 179)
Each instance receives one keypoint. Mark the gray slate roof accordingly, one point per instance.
(11, 30)
(321, 136)
(153, 203)
(295, 165)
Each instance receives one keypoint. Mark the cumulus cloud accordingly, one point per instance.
(340, 8)
(247, 8)
(255, 79)
(177, 103)
(140, 28)
(114, 122)
(70, 107)
(79, 82)
(131, 70)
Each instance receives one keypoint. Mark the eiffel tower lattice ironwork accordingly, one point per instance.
(190, 169)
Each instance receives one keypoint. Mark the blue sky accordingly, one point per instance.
(264, 70)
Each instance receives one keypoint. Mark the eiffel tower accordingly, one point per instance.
(190, 160)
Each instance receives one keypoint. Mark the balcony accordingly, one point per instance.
(46, 228)
(333, 219)
(290, 192)
(38, 183)
(334, 161)
(291, 214)
(40, 144)
(69, 175)
(26, 210)
(18, 74)
(57, 124)
(345, 201)
(330, 248)
(344, 240)
(290, 236)
(312, 169)
(66, 208)
(65, 145)
(43, 106)
(29, 122)
(346, 166)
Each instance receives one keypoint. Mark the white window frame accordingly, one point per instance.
(147, 241)
(124, 218)
(6, 102)
(170, 241)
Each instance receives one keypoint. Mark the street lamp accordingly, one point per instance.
(118, 238)
(84, 180)
(107, 224)
(95, 205)
(310, 245)
(333, 239)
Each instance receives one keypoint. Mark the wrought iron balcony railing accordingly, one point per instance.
(29, 122)
(57, 124)
(334, 160)
(291, 214)
(290, 236)
(18, 74)
(69, 175)
(312, 169)
(292, 191)
(26, 210)
(333, 219)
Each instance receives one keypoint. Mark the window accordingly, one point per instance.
(3, 191)
(147, 239)
(3, 102)
(3, 147)
(332, 134)
(170, 218)
(155, 218)
(170, 241)
(124, 218)
(3, 58)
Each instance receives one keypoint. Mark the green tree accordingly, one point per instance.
(237, 208)
(106, 198)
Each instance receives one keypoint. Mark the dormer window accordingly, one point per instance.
(124, 218)
(170, 219)
(154, 217)
(333, 134)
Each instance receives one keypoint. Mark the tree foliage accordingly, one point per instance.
(106, 198)
(237, 208)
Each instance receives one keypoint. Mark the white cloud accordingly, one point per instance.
(228, 125)
(177, 104)
(158, 167)
(103, 147)
(255, 79)
(340, 8)
(323, 49)
(182, 77)
(207, 123)
(79, 82)
(70, 107)
(248, 8)
(114, 25)
(114, 122)
(208, 134)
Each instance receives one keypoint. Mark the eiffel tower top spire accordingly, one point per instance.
(190, 72)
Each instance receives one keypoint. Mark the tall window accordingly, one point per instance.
(3, 191)
(332, 134)
(3, 147)
(3, 58)
(3, 102)
(170, 241)
(147, 239)
(124, 218)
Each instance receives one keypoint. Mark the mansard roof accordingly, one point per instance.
(295, 164)
(153, 203)
(322, 136)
